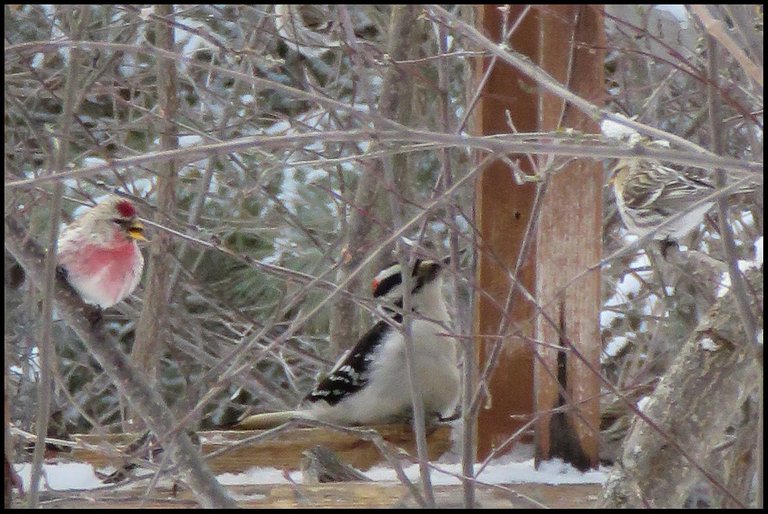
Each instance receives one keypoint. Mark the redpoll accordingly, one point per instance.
(648, 193)
(99, 254)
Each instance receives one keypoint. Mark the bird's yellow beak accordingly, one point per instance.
(136, 231)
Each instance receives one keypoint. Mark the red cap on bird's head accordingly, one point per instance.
(126, 209)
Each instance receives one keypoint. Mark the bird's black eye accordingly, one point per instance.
(120, 221)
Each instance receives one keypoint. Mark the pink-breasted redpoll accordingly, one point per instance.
(648, 194)
(99, 254)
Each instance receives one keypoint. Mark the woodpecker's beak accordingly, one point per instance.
(136, 231)
(428, 270)
(445, 261)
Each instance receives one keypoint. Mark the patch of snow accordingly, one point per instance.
(127, 66)
(438, 227)
(708, 344)
(613, 129)
(643, 402)
(256, 475)
(630, 238)
(61, 476)
(743, 265)
(614, 346)
(289, 191)
(37, 60)
(189, 140)
(641, 261)
(93, 161)
(552, 472)
(364, 146)
(313, 174)
(746, 219)
(725, 285)
(759, 251)
(676, 10)
(190, 40)
(461, 223)
(607, 317)
(629, 285)
(448, 42)
(144, 187)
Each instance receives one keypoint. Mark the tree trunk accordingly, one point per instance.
(695, 403)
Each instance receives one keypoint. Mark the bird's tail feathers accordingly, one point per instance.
(268, 420)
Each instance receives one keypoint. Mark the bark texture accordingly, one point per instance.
(701, 396)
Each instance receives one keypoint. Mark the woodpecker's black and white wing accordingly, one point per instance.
(352, 372)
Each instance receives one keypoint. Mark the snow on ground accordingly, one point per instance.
(58, 477)
(744, 265)
(552, 472)
(76, 475)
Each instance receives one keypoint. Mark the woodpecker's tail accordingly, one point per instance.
(270, 419)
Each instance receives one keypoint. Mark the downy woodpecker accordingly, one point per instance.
(369, 384)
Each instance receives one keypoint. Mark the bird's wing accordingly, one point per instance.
(350, 374)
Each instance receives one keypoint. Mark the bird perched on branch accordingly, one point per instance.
(649, 193)
(99, 254)
(370, 384)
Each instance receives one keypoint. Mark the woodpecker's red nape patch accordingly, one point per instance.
(126, 209)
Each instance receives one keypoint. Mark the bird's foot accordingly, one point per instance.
(93, 313)
(453, 417)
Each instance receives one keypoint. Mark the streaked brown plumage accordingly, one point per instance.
(649, 193)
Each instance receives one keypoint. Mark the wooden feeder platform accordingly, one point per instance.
(343, 495)
(283, 451)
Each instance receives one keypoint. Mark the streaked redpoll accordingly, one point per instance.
(648, 193)
(99, 254)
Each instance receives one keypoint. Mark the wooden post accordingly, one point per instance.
(567, 241)
(503, 210)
